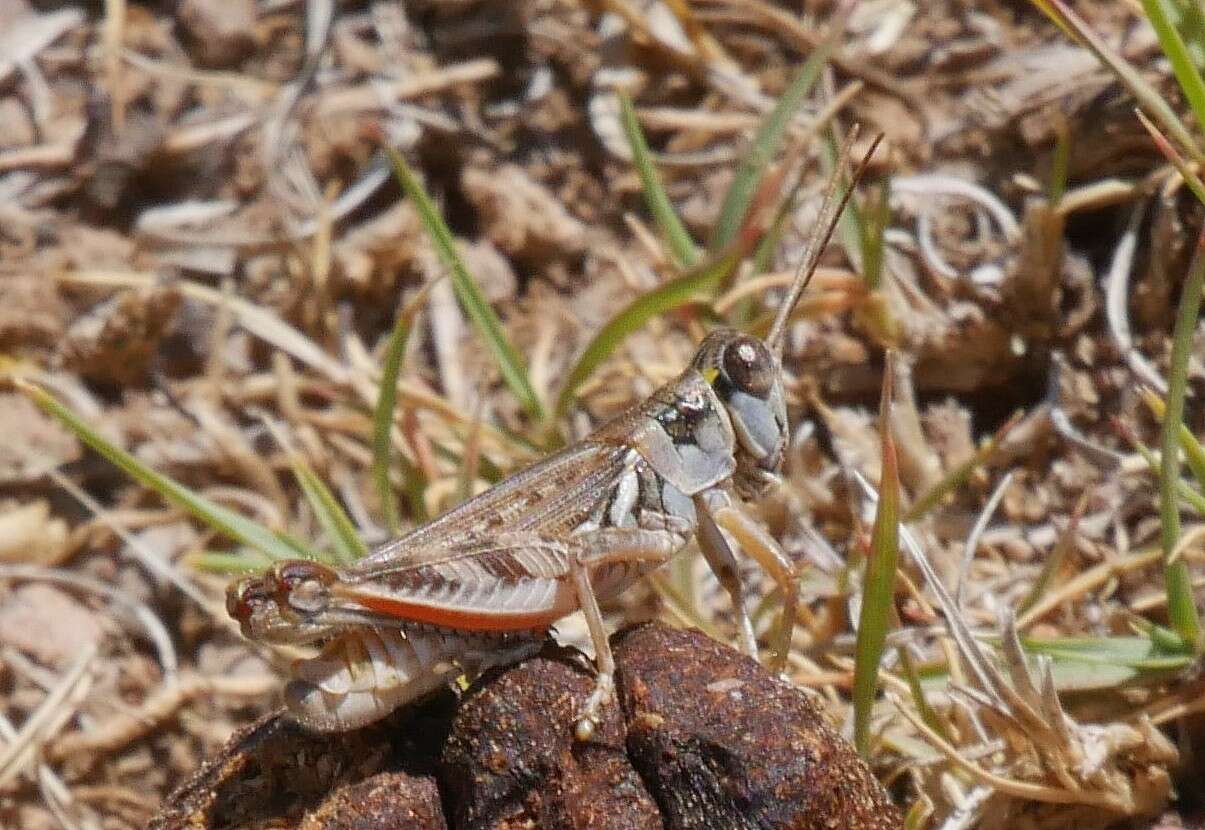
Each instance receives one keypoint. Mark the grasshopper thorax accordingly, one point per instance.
(747, 379)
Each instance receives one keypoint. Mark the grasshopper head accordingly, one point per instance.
(279, 605)
(747, 378)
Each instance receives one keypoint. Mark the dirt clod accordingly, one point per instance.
(277, 774)
(511, 760)
(702, 737)
(722, 743)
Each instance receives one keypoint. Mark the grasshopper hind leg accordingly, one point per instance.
(601, 548)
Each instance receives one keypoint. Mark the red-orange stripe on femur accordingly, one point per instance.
(459, 618)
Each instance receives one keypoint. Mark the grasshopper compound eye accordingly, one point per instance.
(749, 366)
(247, 596)
(301, 586)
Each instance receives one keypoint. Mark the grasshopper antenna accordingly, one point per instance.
(822, 232)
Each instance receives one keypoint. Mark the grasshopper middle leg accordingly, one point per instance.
(596, 550)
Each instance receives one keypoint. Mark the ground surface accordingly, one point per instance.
(199, 237)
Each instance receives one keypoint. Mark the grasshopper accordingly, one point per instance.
(483, 584)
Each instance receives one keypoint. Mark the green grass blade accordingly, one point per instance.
(872, 228)
(958, 476)
(1161, 14)
(513, 369)
(681, 246)
(1190, 22)
(1134, 652)
(1181, 608)
(244, 561)
(1051, 565)
(697, 284)
(851, 225)
(338, 527)
(879, 586)
(919, 699)
(382, 421)
(1169, 152)
(382, 424)
(274, 544)
(1194, 453)
(763, 255)
(768, 140)
(1184, 490)
(1056, 188)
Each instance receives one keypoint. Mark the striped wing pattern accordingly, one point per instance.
(495, 563)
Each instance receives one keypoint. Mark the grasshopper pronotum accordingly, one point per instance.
(484, 582)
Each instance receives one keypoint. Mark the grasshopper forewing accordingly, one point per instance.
(483, 583)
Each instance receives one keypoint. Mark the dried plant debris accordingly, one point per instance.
(704, 738)
(200, 237)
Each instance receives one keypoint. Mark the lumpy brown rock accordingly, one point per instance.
(722, 743)
(278, 774)
(702, 737)
(511, 760)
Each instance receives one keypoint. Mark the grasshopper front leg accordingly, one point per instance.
(723, 564)
(765, 550)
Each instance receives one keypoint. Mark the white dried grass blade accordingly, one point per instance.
(55, 710)
(1117, 296)
(31, 34)
(54, 792)
(189, 213)
(929, 185)
(972, 542)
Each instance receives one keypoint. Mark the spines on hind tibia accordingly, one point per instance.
(363, 675)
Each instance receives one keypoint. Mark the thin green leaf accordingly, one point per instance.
(918, 815)
(1186, 171)
(919, 698)
(764, 254)
(1194, 453)
(336, 524)
(220, 562)
(382, 420)
(696, 285)
(1190, 23)
(1161, 14)
(878, 589)
(681, 246)
(1181, 607)
(513, 369)
(768, 139)
(873, 228)
(1184, 490)
(958, 476)
(274, 544)
(1088, 664)
(1060, 163)
(1051, 565)
(851, 226)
